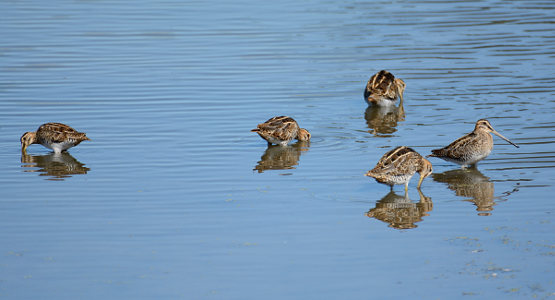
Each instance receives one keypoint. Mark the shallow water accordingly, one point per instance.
(174, 197)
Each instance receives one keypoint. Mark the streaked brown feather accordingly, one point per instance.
(459, 148)
(58, 132)
(383, 86)
(472, 147)
(278, 130)
(54, 133)
(399, 161)
(397, 166)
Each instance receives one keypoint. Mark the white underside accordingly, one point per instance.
(393, 180)
(277, 141)
(471, 160)
(384, 102)
(476, 158)
(58, 147)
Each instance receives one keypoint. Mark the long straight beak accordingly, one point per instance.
(420, 181)
(506, 139)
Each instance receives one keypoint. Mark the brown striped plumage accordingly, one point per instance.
(383, 89)
(399, 165)
(471, 148)
(56, 136)
(281, 130)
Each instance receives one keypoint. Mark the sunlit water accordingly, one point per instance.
(175, 198)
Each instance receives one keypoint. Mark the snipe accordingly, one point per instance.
(399, 165)
(471, 148)
(56, 136)
(383, 89)
(281, 130)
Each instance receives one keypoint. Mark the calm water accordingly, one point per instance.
(174, 198)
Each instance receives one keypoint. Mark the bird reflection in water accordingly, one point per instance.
(399, 211)
(470, 183)
(281, 158)
(384, 119)
(56, 166)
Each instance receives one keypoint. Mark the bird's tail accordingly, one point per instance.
(436, 153)
(370, 173)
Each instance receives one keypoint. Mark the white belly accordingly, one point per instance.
(277, 141)
(383, 101)
(392, 180)
(59, 147)
(477, 157)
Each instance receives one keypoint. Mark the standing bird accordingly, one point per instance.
(399, 165)
(56, 136)
(471, 148)
(383, 89)
(281, 130)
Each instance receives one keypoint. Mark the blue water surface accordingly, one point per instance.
(175, 198)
